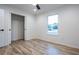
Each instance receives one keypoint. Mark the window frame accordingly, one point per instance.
(57, 25)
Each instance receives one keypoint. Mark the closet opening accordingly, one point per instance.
(17, 27)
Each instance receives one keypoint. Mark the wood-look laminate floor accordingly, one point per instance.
(37, 47)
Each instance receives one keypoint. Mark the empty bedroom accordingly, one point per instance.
(39, 29)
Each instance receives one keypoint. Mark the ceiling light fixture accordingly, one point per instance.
(36, 7)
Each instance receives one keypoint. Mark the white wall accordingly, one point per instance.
(30, 27)
(17, 27)
(68, 26)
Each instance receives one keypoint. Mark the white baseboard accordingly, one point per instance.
(64, 44)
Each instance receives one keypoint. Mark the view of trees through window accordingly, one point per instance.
(53, 24)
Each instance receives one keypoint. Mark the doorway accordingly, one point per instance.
(17, 27)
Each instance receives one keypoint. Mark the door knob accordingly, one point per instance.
(1, 29)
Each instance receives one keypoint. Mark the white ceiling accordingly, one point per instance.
(29, 7)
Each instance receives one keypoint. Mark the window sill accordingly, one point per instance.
(52, 33)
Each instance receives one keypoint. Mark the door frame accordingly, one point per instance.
(23, 24)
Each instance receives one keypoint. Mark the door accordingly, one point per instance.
(2, 31)
(5, 26)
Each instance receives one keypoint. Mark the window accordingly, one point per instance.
(53, 24)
